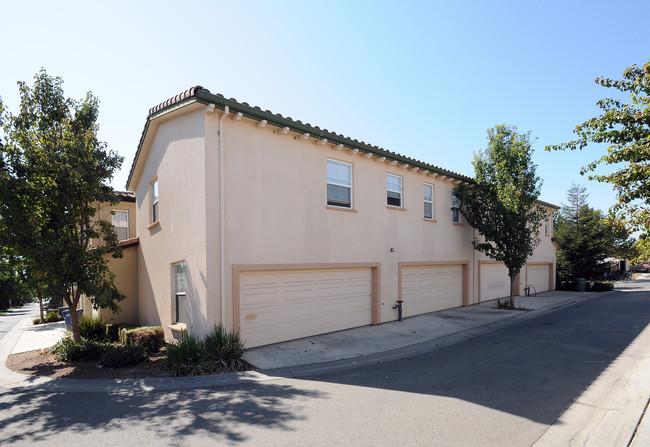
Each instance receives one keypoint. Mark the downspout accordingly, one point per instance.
(222, 220)
(474, 269)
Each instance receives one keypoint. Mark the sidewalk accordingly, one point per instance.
(608, 413)
(322, 353)
(394, 340)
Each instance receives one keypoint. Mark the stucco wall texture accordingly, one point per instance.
(274, 205)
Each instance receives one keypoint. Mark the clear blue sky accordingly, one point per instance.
(422, 78)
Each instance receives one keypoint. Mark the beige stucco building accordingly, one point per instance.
(283, 230)
(122, 216)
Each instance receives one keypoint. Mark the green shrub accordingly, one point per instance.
(111, 333)
(85, 351)
(152, 338)
(224, 345)
(50, 317)
(62, 348)
(91, 328)
(116, 356)
(219, 350)
(505, 304)
(124, 333)
(187, 356)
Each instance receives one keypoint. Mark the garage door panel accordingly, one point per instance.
(495, 282)
(431, 288)
(538, 277)
(284, 305)
(266, 329)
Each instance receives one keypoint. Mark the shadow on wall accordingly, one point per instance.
(197, 320)
(148, 311)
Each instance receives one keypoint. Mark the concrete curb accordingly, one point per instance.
(16, 381)
(13, 380)
(300, 371)
(608, 412)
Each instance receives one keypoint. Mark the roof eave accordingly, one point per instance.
(154, 116)
(277, 120)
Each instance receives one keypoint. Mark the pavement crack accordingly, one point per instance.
(636, 428)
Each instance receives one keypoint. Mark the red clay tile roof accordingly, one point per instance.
(129, 242)
(203, 96)
(125, 196)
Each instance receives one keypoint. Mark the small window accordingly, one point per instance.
(180, 293)
(121, 224)
(428, 201)
(455, 209)
(393, 190)
(339, 184)
(547, 226)
(154, 202)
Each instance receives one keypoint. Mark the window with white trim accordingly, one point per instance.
(455, 209)
(155, 212)
(339, 184)
(547, 225)
(393, 190)
(428, 201)
(121, 224)
(180, 293)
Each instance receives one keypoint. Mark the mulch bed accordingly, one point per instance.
(42, 363)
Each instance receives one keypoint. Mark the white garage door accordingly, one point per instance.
(495, 282)
(431, 288)
(538, 278)
(288, 304)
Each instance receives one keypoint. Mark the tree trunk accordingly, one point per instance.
(40, 302)
(74, 321)
(512, 292)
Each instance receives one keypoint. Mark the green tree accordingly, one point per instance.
(587, 238)
(54, 175)
(642, 247)
(582, 236)
(502, 204)
(625, 128)
(13, 290)
(621, 243)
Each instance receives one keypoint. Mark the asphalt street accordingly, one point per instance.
(13, 316)
(502, 388)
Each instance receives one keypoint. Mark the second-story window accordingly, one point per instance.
(455, 209)
(393, 190)
(155, 212)
(121, 224)
(339, 184)
(428, 201)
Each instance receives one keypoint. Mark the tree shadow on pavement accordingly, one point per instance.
(220, 414)
(16, 311)
(535, 369)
